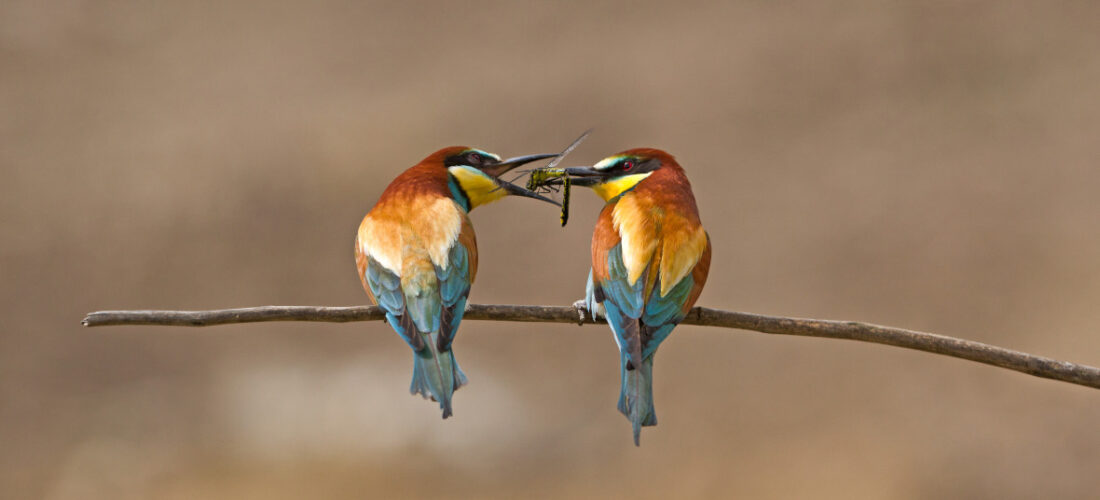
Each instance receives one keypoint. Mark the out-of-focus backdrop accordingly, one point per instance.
(930, 165)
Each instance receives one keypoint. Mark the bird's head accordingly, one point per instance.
(476, 174)
(616, 174)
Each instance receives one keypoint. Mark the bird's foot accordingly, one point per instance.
(582, 311)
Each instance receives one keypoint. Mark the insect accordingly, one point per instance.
(541, 177)
(546, 180)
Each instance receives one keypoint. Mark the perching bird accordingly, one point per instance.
(650, 258)
(417, 255)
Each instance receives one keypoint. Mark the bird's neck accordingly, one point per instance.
(473, 186)
(459, 194)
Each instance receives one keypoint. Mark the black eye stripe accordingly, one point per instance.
(469, 158)
(632, 164)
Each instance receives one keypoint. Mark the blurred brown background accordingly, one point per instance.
(931, 165)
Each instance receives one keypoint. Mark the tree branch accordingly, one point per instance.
(850, 330)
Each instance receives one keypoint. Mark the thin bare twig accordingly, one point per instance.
(929, 342)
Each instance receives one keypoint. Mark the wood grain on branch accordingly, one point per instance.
(929, 342)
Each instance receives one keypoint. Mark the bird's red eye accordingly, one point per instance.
(627, 165)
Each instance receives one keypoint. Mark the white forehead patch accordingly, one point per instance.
(486, 153)
(608, 162)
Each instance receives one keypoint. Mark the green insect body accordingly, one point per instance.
(539, 181)
(539, 177)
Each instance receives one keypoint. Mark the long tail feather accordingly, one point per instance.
(436, 375)
(636, 395)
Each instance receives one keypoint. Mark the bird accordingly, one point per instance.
(650, 260)
(416, 255)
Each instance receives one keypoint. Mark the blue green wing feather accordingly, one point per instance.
(454, 287)
(385, 285)
(662, 314)
(424, 310)
(617, 287)
(440, 306)
(623, 305)
(639, 325)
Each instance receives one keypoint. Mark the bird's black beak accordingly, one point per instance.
(502, 167)
(583, 176)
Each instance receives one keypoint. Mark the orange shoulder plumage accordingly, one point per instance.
(699, 276)
(604, 239)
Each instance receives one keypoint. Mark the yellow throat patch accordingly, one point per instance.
(618, 185)
(479, 187)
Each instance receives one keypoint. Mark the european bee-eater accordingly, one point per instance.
(417, 255)
(650, 258)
